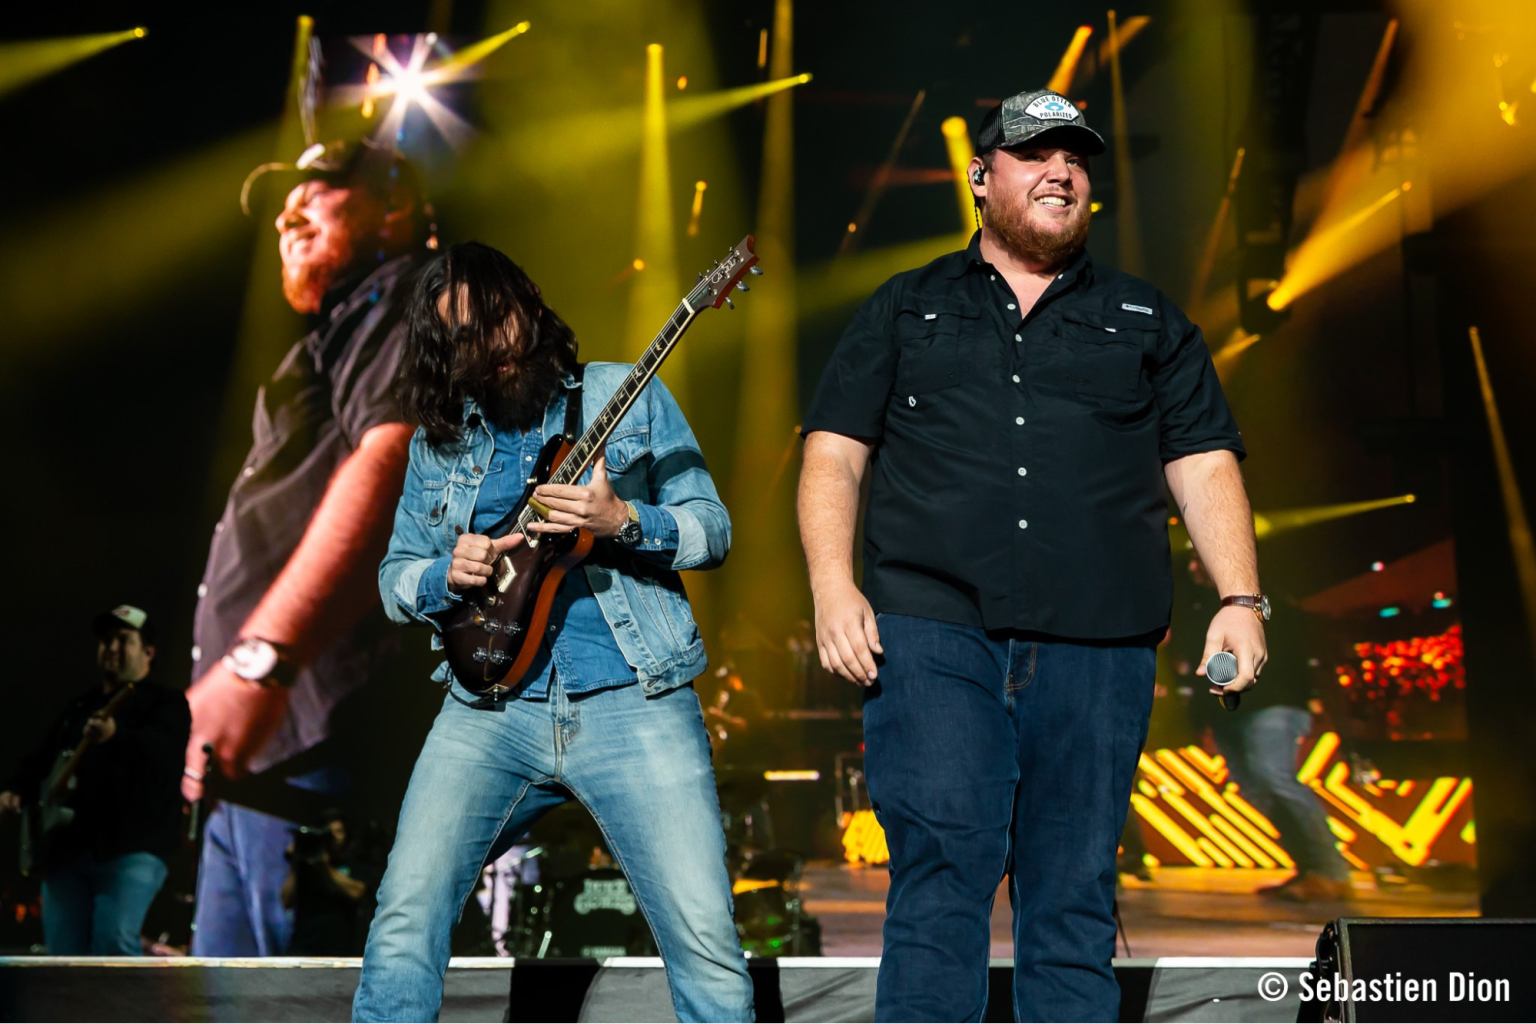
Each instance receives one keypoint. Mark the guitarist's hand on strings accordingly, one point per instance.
(99, 729)
(594, 507)
(474, 559)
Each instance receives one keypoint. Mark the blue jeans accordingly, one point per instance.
(97, 908)
(1260, 749)
(990, 755)
(640, 765)
(239, 883)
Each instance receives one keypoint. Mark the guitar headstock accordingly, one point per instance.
(715, 284)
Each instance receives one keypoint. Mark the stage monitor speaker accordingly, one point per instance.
(1421, 969)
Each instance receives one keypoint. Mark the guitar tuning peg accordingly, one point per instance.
(701, 275)
(742, 287)
(758, 271)
(728, 302)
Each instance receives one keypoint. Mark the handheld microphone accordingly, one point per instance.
(1220, 670)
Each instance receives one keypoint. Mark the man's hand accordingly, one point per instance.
(9, 802)
(1238, 630)
(846, 636)
(594, 507)
(236, 716)
(474, 559)
(99, 729)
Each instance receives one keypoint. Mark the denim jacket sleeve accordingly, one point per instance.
(681, 486)
(413, 578)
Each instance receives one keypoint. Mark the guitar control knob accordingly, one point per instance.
(480, 654)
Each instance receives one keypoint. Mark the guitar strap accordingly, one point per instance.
(573, 405)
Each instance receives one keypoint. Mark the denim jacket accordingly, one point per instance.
(652, 459)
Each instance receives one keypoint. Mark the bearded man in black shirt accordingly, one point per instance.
(1019, 410)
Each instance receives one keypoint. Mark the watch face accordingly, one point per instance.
(629, 533)
(1264, 607)
(253, 659)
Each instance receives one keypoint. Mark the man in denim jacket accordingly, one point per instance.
(606, 712)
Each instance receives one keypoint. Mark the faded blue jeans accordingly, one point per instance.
(97, 908)
(991, 754)
(639, 764)
(1260, 748)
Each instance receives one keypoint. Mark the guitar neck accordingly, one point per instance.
(56, 788)
(592, 440)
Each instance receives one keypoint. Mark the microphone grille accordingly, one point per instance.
(1221, 669)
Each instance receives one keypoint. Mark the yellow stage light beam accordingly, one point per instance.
(1066, 68)
(1267, 524)
(695, 110)
(766, 528)
(1218, 229)
(654, 294)
(1110, 48)
(698, 208)
(1331, 246)
(458, 65)
(1518, 523)
(1127, 219)
(882, 176)
(957, 140)
(1324, 254)
(848, 280)
(1227, 358)
(25, 62)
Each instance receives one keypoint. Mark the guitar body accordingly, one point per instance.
(41, 822)
(492, 636)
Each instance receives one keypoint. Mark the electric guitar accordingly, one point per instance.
(493, 634)
(41, 822)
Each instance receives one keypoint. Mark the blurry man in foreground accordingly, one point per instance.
(288, 625)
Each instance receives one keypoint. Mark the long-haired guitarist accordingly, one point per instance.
(605, 711)
(102, 796)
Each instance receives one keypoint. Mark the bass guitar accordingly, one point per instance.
(41, 822)
(492, 635)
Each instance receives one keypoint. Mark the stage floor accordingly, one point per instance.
(1182, 912)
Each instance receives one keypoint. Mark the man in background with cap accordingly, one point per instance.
(288, 624)
(103, 868)
(1019, 409)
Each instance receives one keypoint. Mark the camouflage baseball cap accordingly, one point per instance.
(355, 161)
(1029, 115)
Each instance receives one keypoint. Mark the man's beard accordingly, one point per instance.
(1010, 223)
(517, 400)
(305, 282)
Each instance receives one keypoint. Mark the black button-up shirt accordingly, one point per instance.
(334, 385)
(1017, 479)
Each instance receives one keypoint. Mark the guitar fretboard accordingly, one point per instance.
(597, 433)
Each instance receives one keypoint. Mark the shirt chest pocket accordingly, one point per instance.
(1102, 352)
(627, 453)
(937, 348)
(434, 502)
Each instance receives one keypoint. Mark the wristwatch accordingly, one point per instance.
(259, 661)
(630, 533)
(1258, 602)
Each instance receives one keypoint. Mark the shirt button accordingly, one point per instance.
(197, 653)
(1019, 420)
(1012, 306)
(912, 401)
(248, 471)
(527, 458)
(1023, 524)
(1023, 471)
(552, 627)
(1018, 337)
(477, 471)
(218, 527)
(1015, 378)
(202, 590)
(992, 277)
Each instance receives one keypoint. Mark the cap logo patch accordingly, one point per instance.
(1052, 108)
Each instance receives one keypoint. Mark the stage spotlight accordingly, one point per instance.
(1066, 68)
(698, 207)
(637, 263)
(21, 63)
(957, 139)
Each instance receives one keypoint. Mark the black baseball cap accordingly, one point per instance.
(124, 616)
(1030, 115)
(382, 169)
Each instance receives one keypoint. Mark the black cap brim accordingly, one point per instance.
(1076, 137)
